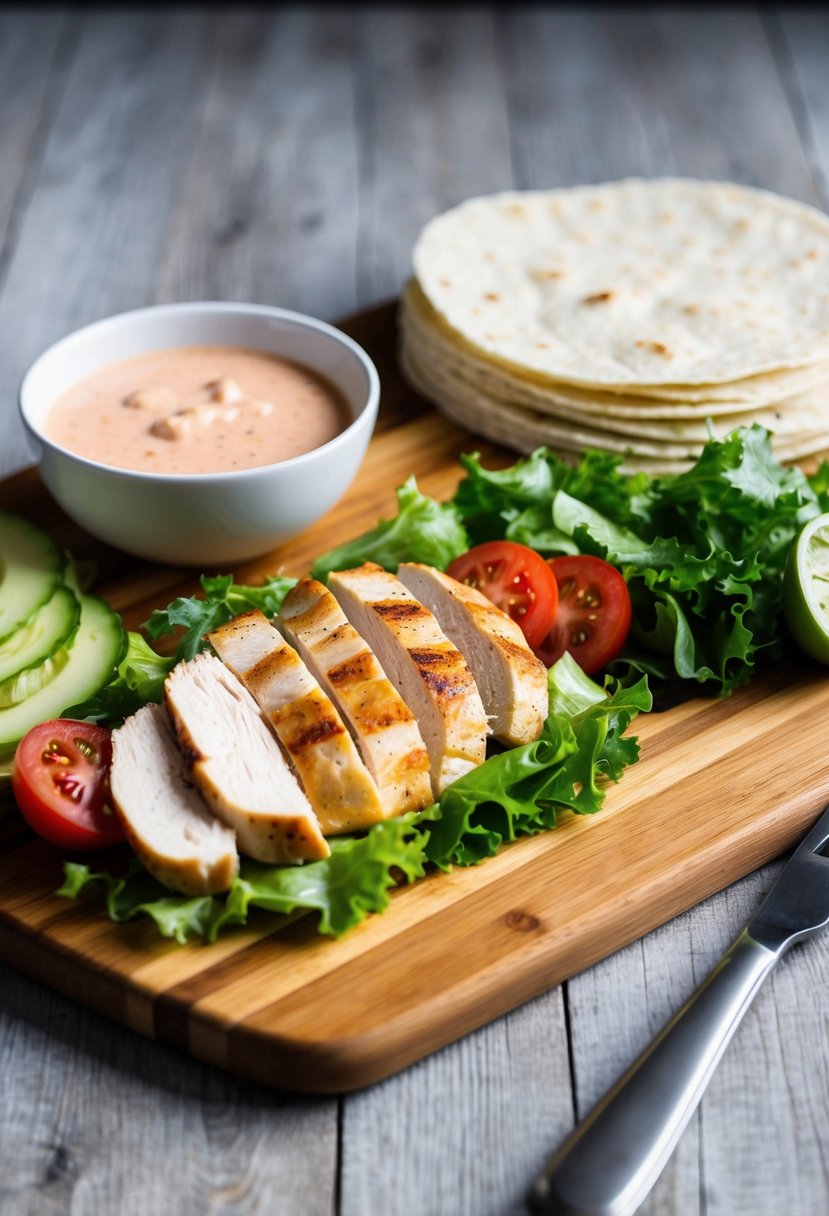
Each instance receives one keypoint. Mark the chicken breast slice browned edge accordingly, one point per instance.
(381, 722)
(335, 779)
(164, 817)
(511, 680)
(430, 673)
(237, 764)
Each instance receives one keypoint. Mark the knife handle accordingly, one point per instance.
(610, 1162)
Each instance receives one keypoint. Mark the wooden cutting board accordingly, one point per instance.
(721, 788)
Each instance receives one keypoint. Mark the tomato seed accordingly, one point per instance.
(87, 749)
(54, 754)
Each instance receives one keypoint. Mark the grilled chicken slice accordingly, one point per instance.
(237, 764)
(338, 784)
(163, 816)
(428, 670)
(379, 719)
(511, 680)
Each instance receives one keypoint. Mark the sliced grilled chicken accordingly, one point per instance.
(428, 670)
(164, 818)
(237, 764)
(338, 784)
(511, 680)
(380, 720)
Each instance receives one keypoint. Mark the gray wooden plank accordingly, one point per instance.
(92, 236)
(760, 1137)
(432, 127)
(269, 207)
(615, 1009)
(768, 1104)
(694, 92)
(460, 1133)
(36, 48)
(95, 1119)
(799, 37)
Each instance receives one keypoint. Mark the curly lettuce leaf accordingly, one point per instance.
(703, 552)
(423, 530)
(136, 892)
(516, 502)
(521, 791)
(222, 599)
(343, 888)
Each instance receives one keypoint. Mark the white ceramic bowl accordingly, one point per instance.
(202, 519)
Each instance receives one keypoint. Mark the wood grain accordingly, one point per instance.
(288, 1008)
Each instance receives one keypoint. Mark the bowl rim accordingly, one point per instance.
(366, 416)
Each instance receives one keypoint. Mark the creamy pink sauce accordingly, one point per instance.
(197, 409)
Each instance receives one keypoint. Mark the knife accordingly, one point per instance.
(610, 1162)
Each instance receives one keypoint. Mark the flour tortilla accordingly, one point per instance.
(806, 413)
(648, 284)
(524, 430)
(427, 334)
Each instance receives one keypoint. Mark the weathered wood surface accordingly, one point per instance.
(290, 158)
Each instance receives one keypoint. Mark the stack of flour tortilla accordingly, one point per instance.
(636, 317)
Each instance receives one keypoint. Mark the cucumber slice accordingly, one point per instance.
(93, 656)
(31, 570)
(39, 649)
(30, 681)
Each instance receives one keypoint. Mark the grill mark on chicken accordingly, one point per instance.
(376, 711)
(309, 736)
(515, 652)
(360, 667)
(331, 639)
(441, 671)
(267, 669)
(398, 610)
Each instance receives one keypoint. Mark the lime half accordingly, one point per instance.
(806, 588)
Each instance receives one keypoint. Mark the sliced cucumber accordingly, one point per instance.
(32, 679)
(39, 649)
(31, 570)
(93, 656)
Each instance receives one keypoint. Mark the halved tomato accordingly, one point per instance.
(594, 613)
(60, 781)
(516, 579)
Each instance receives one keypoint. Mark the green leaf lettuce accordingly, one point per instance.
(423, 530)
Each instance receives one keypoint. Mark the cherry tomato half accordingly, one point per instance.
(593, 615)
(60, 781)
(516, 579)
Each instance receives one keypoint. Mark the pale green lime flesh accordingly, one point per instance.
(806, 589)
